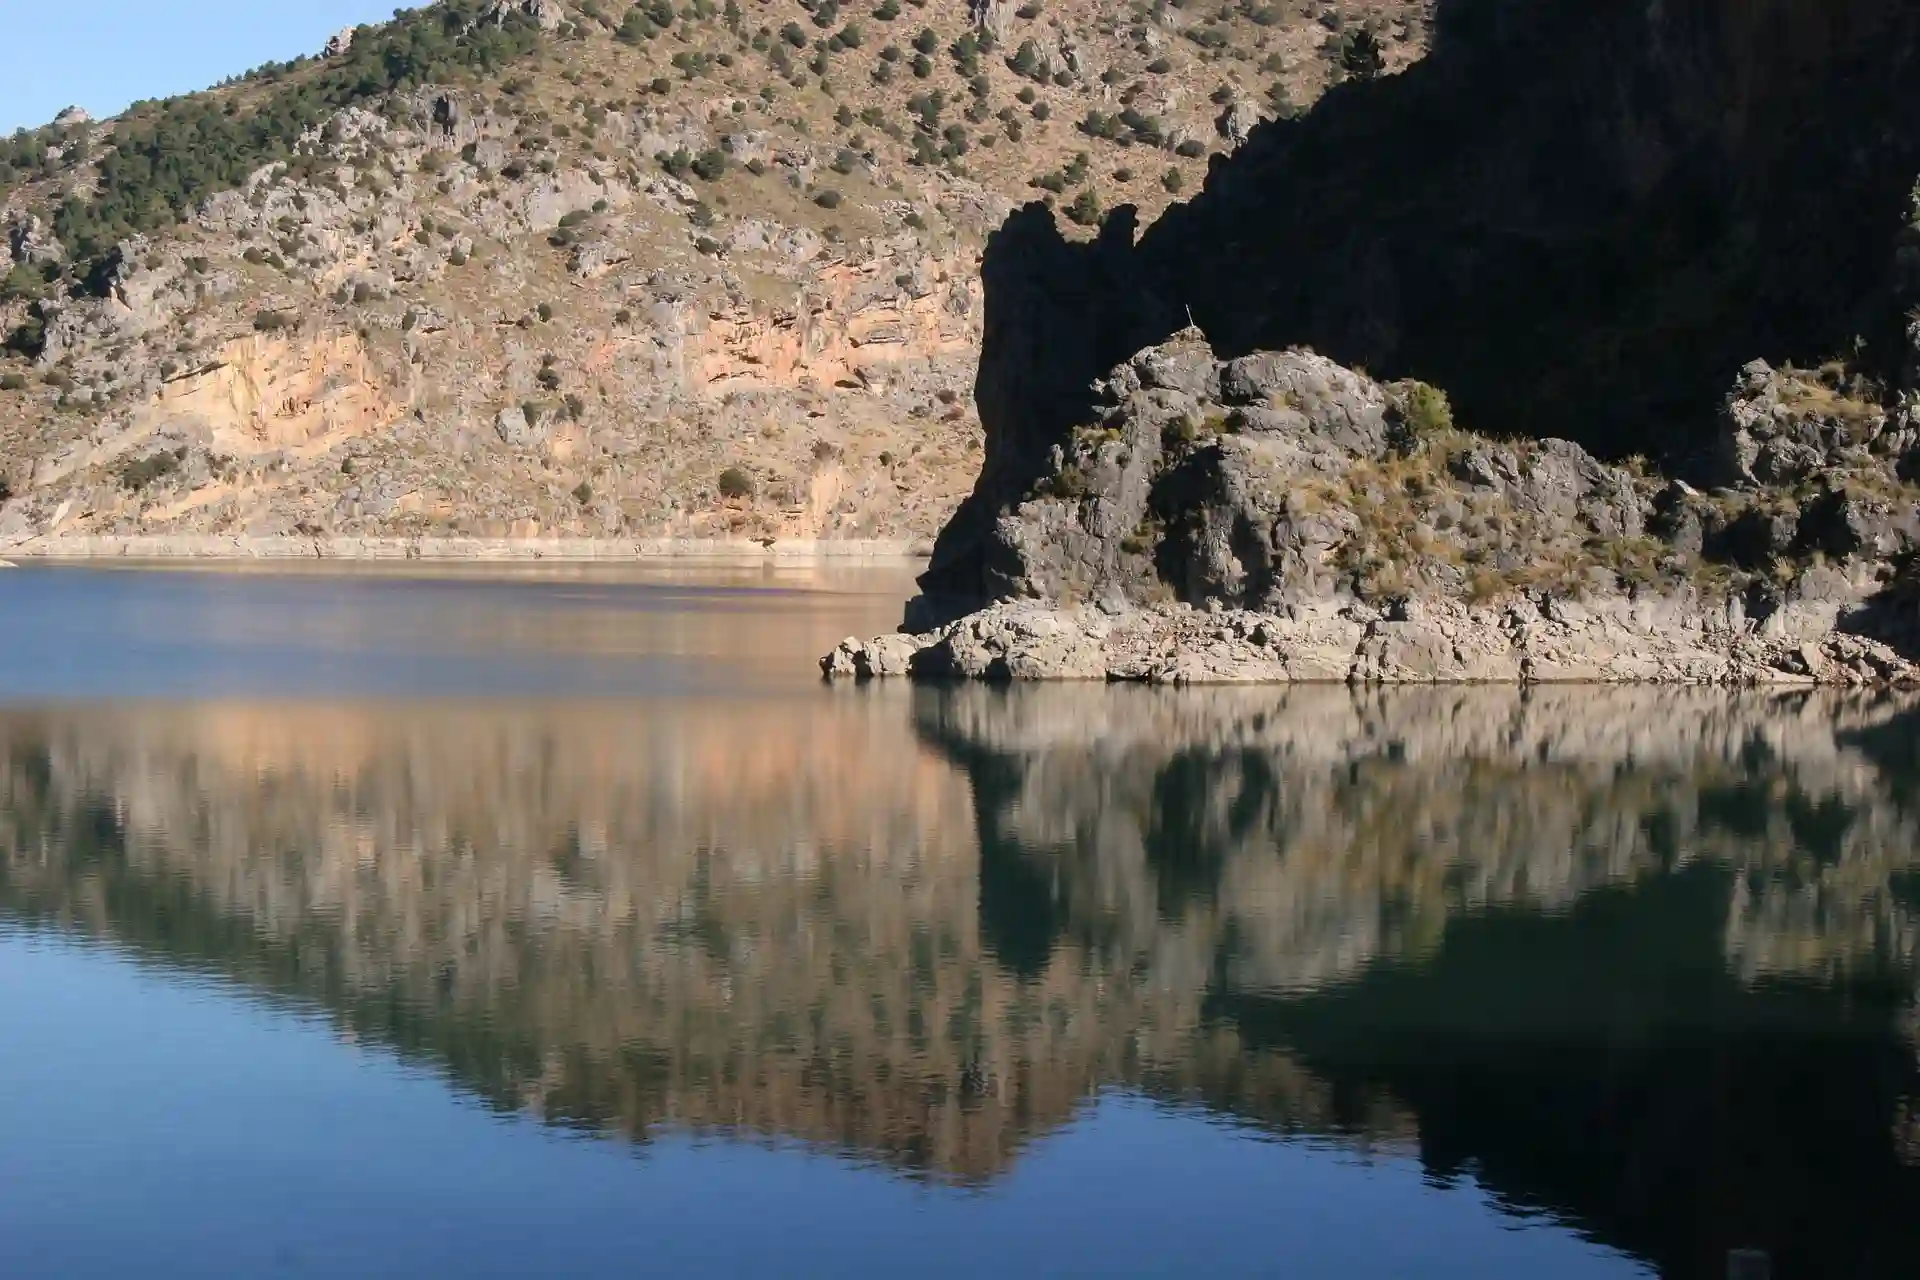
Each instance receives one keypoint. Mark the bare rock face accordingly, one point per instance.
(1781, 428)
(339, 44)
(1282, 476)
(1237, 122)
(1280, 518)
(547, 13)
(995, 17)
(31, 242)
(516, 431)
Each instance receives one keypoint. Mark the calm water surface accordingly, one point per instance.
(558, 922)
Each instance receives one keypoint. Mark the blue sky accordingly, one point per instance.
(104, 54)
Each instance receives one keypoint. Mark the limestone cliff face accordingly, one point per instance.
(261, 394)
(855, 323)
(832, 388)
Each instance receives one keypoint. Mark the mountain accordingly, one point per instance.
(1587, 348)
(572, 267)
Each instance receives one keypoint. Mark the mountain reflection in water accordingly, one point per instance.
(1640, 960)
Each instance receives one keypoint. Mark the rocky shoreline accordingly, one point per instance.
(1280, 519)
(1523, 641)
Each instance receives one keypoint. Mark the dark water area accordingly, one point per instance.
(556, 922)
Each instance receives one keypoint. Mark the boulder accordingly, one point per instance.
(517, 432)
(1237, 122)
(995, 17)
(32, 242)
(547, 13)
(1780, 428)
(1754, 538)
(1841, 525)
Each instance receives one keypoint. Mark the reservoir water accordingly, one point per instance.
(408, 922)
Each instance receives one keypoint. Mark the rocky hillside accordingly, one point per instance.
(1680, 433)
(539, 267)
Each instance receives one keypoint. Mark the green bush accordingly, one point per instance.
(136, 474)
(736, 484)
(1426, 411)
(23, 283)
(1085, 209)
(29, 339)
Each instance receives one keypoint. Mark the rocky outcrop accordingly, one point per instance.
(547, 14)
(1526, 641)
(1279, 518)
(688, 278)
(31, 242)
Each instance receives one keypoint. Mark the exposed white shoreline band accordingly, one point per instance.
(481, 550)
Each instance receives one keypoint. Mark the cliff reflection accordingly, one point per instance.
(1549, 937)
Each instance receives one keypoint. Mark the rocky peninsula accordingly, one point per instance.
(1279, 518)
(1556, 357)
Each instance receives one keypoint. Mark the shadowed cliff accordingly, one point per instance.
(1579, 219)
